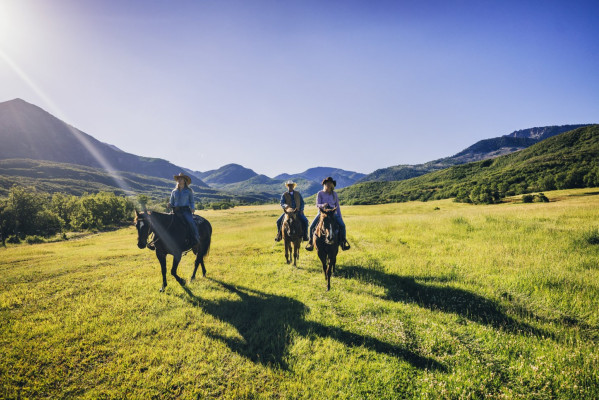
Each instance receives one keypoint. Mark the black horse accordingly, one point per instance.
(326, 241)
(171, 236)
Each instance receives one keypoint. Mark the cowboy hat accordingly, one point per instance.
(290, 182)
(182, 175)
(329, 179)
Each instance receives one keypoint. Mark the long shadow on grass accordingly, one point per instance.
(446, 299)
(266, 324)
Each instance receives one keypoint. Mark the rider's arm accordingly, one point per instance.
(319, 200)
(302, 204)
(283, 204)
(338, 211)
(171, 202)
(191, 202)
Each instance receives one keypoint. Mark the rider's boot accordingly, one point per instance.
(278, 237)
(345, 245)
(310, 246)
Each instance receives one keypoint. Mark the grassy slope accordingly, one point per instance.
(460, 302)
(551, 156)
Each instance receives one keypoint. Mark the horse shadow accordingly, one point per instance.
(267, 324)
(452, 300)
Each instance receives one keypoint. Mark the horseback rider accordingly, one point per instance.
(327, 198)
(293, 199)
(183, 205)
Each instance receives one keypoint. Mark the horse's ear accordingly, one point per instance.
(136, 212)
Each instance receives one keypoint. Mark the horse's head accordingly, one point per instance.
(142, 224)
(292, 223)
(329, 225)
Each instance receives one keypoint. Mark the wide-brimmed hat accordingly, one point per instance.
(290, 182)
(329, 179)
(182, 175)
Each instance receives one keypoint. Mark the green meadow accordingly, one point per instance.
(434, 300)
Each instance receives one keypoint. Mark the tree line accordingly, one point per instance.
(27, 214)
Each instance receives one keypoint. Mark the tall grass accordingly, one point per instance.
(460, 302)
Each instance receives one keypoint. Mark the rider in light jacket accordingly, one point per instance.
(327, 198)
(183, 205)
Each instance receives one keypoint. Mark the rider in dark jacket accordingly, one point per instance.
(292, 198)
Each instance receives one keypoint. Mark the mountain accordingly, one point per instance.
(262, 185)
(344, 178)
(51, 177)
(230, 173)
(563, 161)
(28, 132)
(236, 179)
(481, 150)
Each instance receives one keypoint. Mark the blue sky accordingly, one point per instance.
(282, 86)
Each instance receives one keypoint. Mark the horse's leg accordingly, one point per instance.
(195, 265)
(203, 267)
(329, 270)
(323, 260)
(295, 252)
(162, 260)
(176, 260)
(287, 250)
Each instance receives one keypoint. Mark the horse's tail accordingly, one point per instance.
(206, 239)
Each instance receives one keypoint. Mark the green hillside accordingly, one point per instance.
(52, 177)
(481, 150)
(569, 160)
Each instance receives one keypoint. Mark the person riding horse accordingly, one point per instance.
(292, 199)
(183, 204)
(327, 198)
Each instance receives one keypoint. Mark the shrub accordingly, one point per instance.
(528, 198)
(34, 239)
(14, 239)
(541, 198)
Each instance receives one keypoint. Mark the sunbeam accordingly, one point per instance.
(120, 182)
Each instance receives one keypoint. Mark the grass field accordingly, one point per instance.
(434, 300)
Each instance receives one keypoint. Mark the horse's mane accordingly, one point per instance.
(154, 214)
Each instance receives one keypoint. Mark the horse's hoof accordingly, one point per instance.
(193, 278)
(162, 289)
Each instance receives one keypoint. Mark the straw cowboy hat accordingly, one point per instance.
(290, 182)
(182, 175)
(329, 179)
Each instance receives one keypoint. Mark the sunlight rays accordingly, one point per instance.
(60, 115)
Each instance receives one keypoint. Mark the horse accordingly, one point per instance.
(171, 236)
(326, 241)
(292, 233)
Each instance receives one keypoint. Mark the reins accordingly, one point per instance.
(151, 231)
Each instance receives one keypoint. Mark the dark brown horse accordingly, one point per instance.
(292, 234)
(171, 236)
(326, 241)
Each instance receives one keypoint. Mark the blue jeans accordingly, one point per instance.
(339, 221)
(186, 214)
(303, 219)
